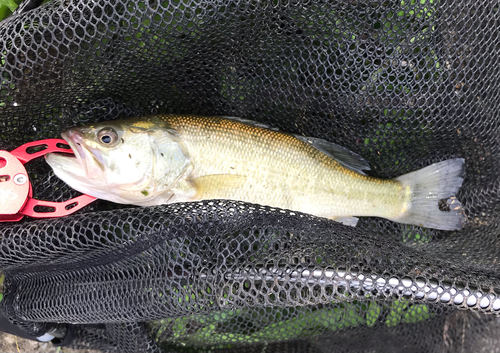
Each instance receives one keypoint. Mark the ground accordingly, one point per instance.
(13, 344)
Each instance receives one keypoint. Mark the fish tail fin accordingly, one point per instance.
(428, 186)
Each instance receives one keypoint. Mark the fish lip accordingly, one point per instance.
(75, 141)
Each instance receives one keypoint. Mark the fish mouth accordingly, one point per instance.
(82, 171)
(90, 159)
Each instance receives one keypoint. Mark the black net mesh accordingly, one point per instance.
(403, 83)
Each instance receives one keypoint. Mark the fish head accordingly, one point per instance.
(129, 162)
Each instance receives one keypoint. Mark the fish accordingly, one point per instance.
(164, 159)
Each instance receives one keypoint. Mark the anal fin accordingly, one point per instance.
(348, 221)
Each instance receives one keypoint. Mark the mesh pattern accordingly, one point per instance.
(402, 83)
(94, 337)
(132, 337)
(218, 273)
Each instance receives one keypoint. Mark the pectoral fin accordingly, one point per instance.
(217, 185)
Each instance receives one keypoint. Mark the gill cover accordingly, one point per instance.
(130, 161)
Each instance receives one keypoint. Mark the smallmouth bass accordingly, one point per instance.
(172, 158)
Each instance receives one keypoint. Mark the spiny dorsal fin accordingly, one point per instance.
(342, 155)
(250, 122)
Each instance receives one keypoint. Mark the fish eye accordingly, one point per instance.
(107, 136)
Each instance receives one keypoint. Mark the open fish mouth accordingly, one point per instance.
(90, 160)
(66, 164)
(77, 169)
(69, 169)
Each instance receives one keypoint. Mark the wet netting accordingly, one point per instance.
(403, 83)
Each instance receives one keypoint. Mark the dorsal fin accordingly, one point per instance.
(342, 155)
(250, 122)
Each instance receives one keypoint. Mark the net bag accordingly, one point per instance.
(402, 83)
